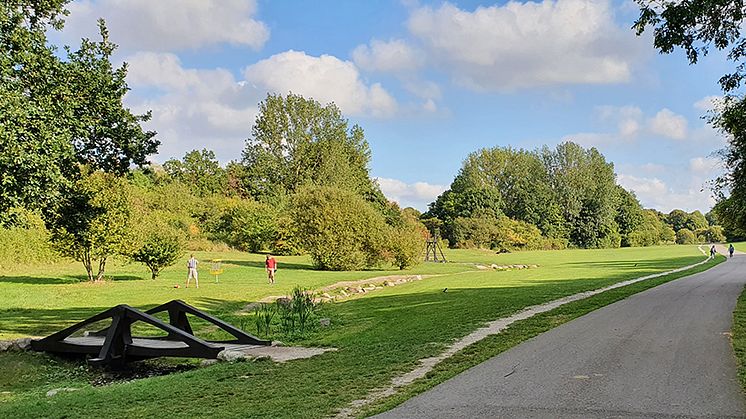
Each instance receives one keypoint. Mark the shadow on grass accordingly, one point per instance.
(65, 279)
(652, 264)
(260, 264)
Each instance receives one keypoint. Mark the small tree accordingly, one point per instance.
(685, 236)
(92, 221)
(160, 249)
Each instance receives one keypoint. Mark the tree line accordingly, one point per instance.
(553, 198)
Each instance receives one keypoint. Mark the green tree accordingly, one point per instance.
(339, 229)
(161, 248)
(57, 109)
(93, 221)
(200, 170)
(629, 217)
(297, 141)
(585, 188)
(685, 236)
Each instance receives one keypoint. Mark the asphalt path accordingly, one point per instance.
(662, 353)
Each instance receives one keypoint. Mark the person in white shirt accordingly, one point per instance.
(192, 271)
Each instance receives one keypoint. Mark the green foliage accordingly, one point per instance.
(630, 218)
(246, 224)
(161, 248)
(263, 315)
(339, 229)
(296, 141)
(569, 193)
(406, 241)
(651, 231)
(92, 223)
(712, 234)
(500, 233)
(27, 241)
(685, 236)
(200, 171)
(58, 109)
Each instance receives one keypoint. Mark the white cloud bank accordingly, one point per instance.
(169, 25)
(519, 45)
(668, 124)
(325, 78)
(417, 195)
(657, 194)
(393, 56)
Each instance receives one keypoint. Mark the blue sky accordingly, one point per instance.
(429, 82)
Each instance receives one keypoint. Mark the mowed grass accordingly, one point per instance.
(378, 336)
(739, 337)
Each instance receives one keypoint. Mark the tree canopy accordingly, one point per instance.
(58, 110)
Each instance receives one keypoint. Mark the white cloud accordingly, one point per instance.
(627, 118)
(417, 195)
(669, 124)
(394, 56)
(169, 25)
(325, 78)
(705, 165)
(518, 45)
(655, 193)
(708, 103)
(192, 109)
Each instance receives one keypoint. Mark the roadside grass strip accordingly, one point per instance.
(411, 383)
(738, 339)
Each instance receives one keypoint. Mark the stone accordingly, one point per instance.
(5, 345)
(54, 392)
(343, 293)
(284, 301)
(326, 295)
(494, 266)
(232, 356)
(277, 343)
(208, 362)
(23, 344)
(325, 322)
(389, 284)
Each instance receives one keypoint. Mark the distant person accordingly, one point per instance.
(271, 264)
(712, 251)
(192, 271)
(731, 249)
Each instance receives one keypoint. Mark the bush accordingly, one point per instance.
(161, 248)
(26, 242)
(685, 236)
(712, 234)
(339, 229)
(407, 243)
(500, 233)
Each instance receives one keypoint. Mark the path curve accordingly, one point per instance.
(662, 353)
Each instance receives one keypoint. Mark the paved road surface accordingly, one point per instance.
(663, 353)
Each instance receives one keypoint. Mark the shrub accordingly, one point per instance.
(339, 229)
(27, 241)
(161, 248)
(407, 243)
(685, 236)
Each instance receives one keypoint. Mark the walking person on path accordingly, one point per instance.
(712, 251)
(271, 264)
(731, 249)
(192, 271)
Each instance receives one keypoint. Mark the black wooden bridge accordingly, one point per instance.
(115, 345)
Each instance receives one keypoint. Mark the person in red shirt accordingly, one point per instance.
(271, 265)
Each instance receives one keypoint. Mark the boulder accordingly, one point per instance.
(5, 345)
(208, 362)
(22, 344)
(231, 356)
(285, 301)
(325, 322)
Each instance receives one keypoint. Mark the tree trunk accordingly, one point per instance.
(87, 264)
(101, 268)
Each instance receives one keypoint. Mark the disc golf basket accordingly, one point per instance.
(216, 268)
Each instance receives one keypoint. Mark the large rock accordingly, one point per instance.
(231, 356)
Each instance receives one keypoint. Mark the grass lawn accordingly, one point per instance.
(378, 335)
